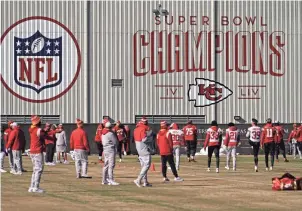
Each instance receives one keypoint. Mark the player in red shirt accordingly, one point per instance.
(293, 137)
(279, 141)
(120, 132)
(165, 145)
(231, 141)
(9, 153)
(98, 141)
(267, 142)
(299, 137)
(190, 136)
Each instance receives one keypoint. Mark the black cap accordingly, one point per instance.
(189, 122)
(231, 124)
(214, 123)
(269, 120)
(255, 121)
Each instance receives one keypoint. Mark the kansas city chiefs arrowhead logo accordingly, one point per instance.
(206, 92)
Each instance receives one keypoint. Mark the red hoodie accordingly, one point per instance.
(120, 133)
(232, 137)
(268, 134)
(6, 135)
(279, 134)
(213, 137)
(293, 135)
(50, 137)
(37, 143)
(98, 134)
(16, 140)
(140, 131)
(78, 140)
(299, 134)
(164, 142)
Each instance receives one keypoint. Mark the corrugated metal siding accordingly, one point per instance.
(112, 28)
(74, 16)
(281, 99)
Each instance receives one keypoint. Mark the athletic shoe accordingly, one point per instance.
(18, 173)
(208, 170)
(52, 164)
(277, 160)
(189, 159)
(23, 170)
(166, 179)
(285, 160)
(30, 190)
(125, 153)
(58, 161)
(79, 176)
(66, 162)
(271, 168)
(113, 183)
(227, 168)
(217, 170)
(234, 169)
(178, 179)
(105, 183)
(12, 171)
(169, 167)
(38, 190)
(147, 184)
(193, 160)
(120, 160)
(266, 169)
(85, 176)
(47, 164)
(137, 183)
(2, 171)
(295, 158)
(256, 169)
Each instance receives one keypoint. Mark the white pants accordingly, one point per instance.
(295, 147)
(231, 151)
(37, 161)
(17, 157)
(176, 152)
(2, 156)
(81, 161)
(109, 164)
(145, 165)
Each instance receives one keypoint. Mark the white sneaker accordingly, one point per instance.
(147, 184)
(12, 171)
(37, 190)
(266, 169)
(113, 183)
(178, 179)
(52, 164)
(85, 176)
(46, 164)
(18, 173)
(169, 168)
(217, 170)
(120, 160)
(125, 153)
(2, 171)
(227, 168)
(137, 183)
(66, 162)
(58, 161)
(234, 169)
(208, 170)
(30, 190)
(271, 168)
(256, 169)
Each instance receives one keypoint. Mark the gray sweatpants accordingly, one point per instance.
(11, 159)
(176, 152)
(109, 164)
(2, 156)
(231, 151)
(296, 148)
(145, 165)
(81, 161)
(38, 164)
(17, 156)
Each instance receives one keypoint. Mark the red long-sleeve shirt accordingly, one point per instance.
(6, 135)
(279, 134)
(232, 137)
(268, 134)
(78, 140)
(98, 134)
(164, 142)
(213, 137)
(37, 142)
(292, 135)
(190, 132)
(16, 140)
(299, 134)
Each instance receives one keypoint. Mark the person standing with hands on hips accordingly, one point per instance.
(79, 143)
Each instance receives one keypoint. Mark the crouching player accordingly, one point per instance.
(110, 143)
(165, 145)
(253, 134)
(213, 142)
(231, 142)
(177, 138)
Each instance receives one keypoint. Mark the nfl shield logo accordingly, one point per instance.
(38, 62)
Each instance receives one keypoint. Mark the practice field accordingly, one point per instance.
(228, 190)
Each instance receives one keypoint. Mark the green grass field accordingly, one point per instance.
(201, 190)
